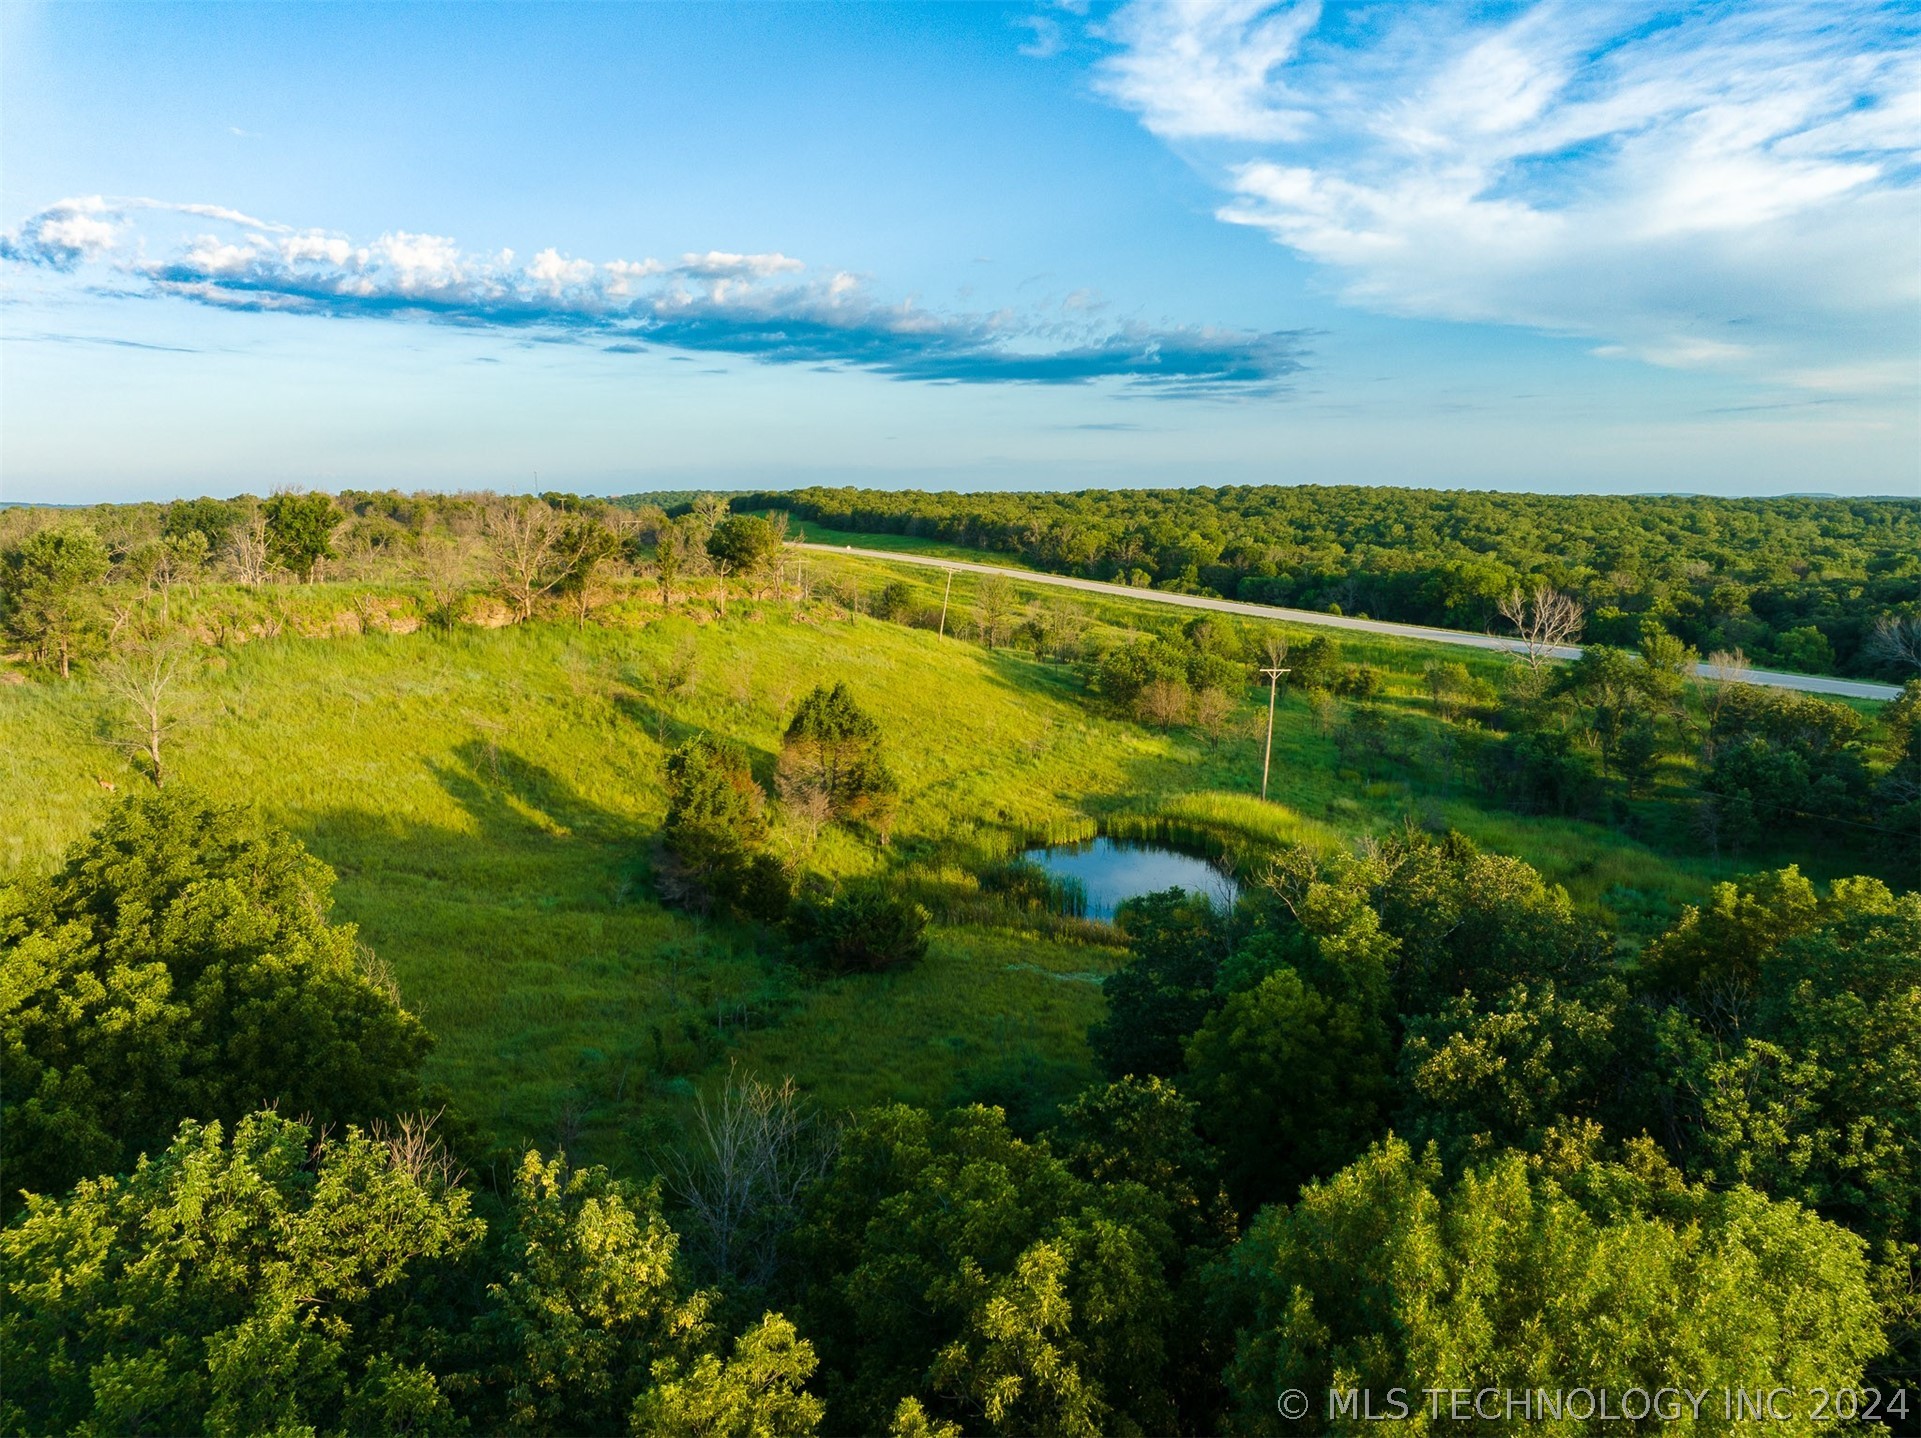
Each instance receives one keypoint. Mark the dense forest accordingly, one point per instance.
(1798, 583)
(1396, 1122)
(1408, 1116)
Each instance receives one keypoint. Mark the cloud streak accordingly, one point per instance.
(770, 308)
(1720, 186)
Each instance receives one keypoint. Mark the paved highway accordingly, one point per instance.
(1806, 683)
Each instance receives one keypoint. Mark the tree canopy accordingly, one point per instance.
(1799, 582)
(300, 531)
(181, 963)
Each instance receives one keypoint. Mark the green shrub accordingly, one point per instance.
(862, 928)
(895, 602)
(716, 819)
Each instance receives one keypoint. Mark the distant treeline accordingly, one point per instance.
(1799, 583)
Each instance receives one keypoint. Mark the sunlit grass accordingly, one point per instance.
(490, 799)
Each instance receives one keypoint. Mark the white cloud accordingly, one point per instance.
(65, 234)
(1205, 68)
(769, 306)
(1636, 174)
(719, 265)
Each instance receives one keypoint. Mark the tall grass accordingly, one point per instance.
(489, 799)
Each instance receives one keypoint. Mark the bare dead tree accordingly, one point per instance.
(1728, 666)
(370, 612)
(144, 676)
(413, 1148)
(525, 538)
(443, 565)
(1897, 640)
(378, 973)
(1211, 708)
(803, 794)
(1163, 702)
(570, 1121)
(247, 550)
(757, 1149)
(1543, 621)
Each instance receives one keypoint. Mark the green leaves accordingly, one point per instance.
(859, 928)
(1179, 942)
(1551, 1274)
(744, 542)
(716, 820)
(1483, 1077)
(1780, 759)
(1819, 1098)
(1291, 1083)
(834, 747)
(226, 1287)
(284, 1283)
(300, 531)
(180, 965)
(755, 1392)
(589, 1301)
(48, 599)
(958, 1265)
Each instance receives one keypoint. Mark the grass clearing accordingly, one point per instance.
(489, 800)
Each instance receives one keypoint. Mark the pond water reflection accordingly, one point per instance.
(1111, 872)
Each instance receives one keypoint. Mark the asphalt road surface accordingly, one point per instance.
(1773, 679)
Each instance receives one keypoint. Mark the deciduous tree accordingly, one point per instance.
(299, 531)
(1561, 1274)
(180, 964)
(50, 597)
(275, 1282)
(1544, 620)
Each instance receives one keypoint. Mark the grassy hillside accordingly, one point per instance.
(490, 799)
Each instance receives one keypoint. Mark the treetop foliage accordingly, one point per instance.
(285, 1282)
(48, 601)
(181, 962)
(1800, 582)
(1392, 1274)
(242, 1286)
(300, 530)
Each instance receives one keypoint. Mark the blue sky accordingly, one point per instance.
(1596, 247)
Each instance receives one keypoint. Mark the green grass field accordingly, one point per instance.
(490, 799)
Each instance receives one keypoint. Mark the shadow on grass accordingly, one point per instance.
(508, 794)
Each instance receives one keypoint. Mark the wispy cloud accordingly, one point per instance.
(111, 341)
(1699, 185)
(1045, 36)
(768, 307)
(1206, 68)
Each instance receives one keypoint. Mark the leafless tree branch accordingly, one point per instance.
(1544, 621)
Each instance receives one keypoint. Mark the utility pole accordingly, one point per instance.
(943, 603)
(1267, 756)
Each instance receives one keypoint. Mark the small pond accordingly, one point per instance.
(1110, 872)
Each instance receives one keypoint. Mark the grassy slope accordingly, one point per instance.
(489, 801)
